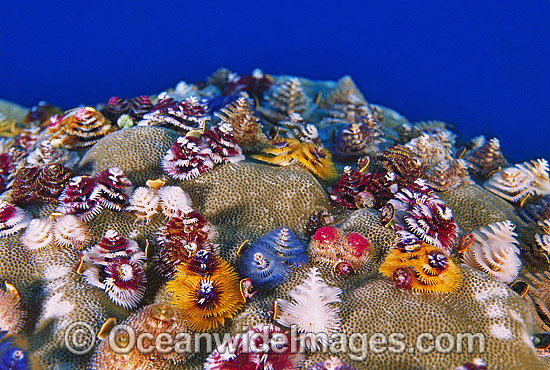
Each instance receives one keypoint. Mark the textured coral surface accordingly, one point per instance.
(149, 232)
(137, 151)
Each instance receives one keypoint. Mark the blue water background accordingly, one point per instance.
(483, 66)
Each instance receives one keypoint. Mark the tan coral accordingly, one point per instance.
(474, 207)
(65, 291)
(137, 151)
(481, 306)
(246, 200)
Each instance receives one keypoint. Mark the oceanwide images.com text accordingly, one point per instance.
(122, 339)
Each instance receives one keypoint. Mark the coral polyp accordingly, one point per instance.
(403, 277)
(202, 263)
(223, 144)
(447, 174)
(255, 84)
(348, 186)
(346, 253)
(85, 196)
(537, 211)
(173, 200)
(358, 138)
(266, 262)
(434, 223)
(12, 355)
(12, 219)
(346, 108)
(124, 281)
(313, 308)
(284, 152)
(139, 106)
(485, 159)
(115, 108)
(134, 108)
(287, 245)
(421, 212)
(206, 301)
(181, 238)
(187, 159)
(38, 235)
(185, 116)
(402, 162)
(275, 357)
(115, 265)
(79, 127)
(39, 184)
(516, 183)
(81, 198)
(69, 231)
(316, 160)
(281, 152)
(426, 269)
(45, 154)
(285, 98)
(239, 358)
(145, 202)
(114, 188)
(494, 250)
(180, 249)
(326, 234)
(246, 125)
(294, 127)
(12, 317)
(263, 266)
(261, 353)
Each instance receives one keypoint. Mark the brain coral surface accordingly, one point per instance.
(165, 206)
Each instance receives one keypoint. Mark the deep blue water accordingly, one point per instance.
(480, 65)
